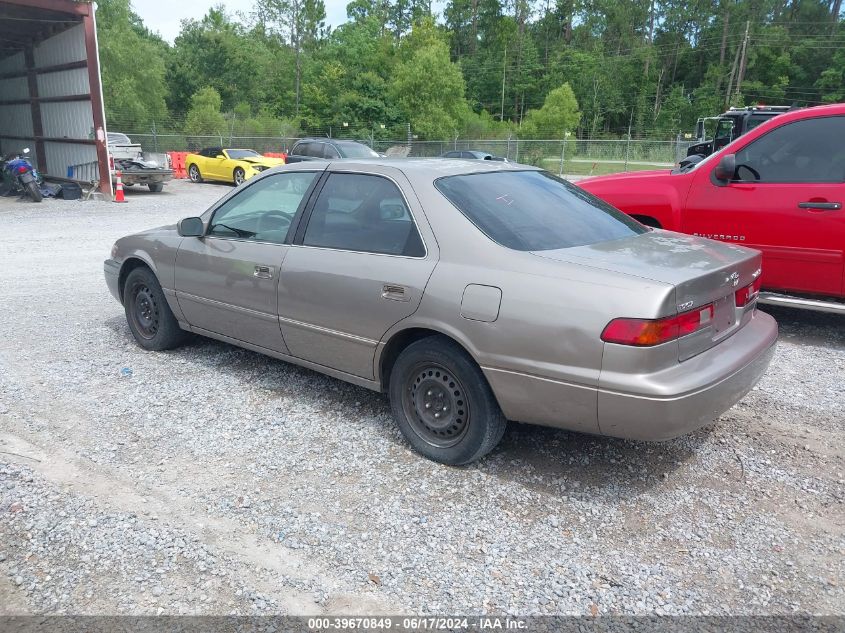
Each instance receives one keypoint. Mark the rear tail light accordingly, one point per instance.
(746, 295)
(23, 169)
(648, 332)
(111, 163)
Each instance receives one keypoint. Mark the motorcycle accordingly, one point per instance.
(21, 176)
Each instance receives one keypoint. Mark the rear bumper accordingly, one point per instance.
(672, 405)
(111, 270)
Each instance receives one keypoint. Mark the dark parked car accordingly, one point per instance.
(328, 149)
(472, 154)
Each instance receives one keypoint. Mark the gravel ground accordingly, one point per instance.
(213, 480)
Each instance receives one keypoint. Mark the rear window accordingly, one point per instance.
(535, 211)
(356, 150)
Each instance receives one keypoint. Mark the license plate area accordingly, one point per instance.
(724, 315)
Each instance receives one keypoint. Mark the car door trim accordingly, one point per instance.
(266, 316)
(324, 330)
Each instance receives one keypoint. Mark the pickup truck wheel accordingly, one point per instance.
(194, 173)
(150, 319)
(239, 175)
(443, 404)
(156, 187)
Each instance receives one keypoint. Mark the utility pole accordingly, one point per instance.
(743, 59)
(504, 65)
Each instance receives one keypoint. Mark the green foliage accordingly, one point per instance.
(490, 69)
(429, 90)
(558, 115)
(134, 92)
(204, 117)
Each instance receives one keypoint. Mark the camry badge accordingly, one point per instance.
(732, 279)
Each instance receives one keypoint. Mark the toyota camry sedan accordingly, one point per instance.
(470, 292)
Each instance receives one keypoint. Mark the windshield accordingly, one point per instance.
(535, 211)
(115, 137)
(356, 150)
(242, 153)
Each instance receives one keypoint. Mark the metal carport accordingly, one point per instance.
(50, 93)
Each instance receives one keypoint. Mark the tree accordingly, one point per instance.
(134, 92)
(428, 88)
(204, 118)
(558, 115)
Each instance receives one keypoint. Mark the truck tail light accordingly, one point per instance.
(746, 295)
(649, 332)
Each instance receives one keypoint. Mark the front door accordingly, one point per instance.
(357, 266)
(786, 200)
(227, 280)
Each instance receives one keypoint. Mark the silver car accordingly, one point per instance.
(471, 292)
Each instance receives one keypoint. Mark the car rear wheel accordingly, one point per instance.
(194, 173)
(443, 404)
(239, 175)
(150, 319)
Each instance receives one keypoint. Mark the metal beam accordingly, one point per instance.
(35, 108)
(96, 89)
(37, 99)
(51, 139)
(57, 68)
(62, 6)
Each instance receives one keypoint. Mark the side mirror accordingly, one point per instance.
(190, 227)
(221, 156)
(726, 169)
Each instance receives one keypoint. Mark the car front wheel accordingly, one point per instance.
(443, 404)
(239, 175)
(149, 316)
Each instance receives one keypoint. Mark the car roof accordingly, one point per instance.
(432, 168)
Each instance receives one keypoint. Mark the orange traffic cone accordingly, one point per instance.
(118, 189)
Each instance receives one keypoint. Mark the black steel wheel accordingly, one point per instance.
(442, 402)
(150, 319)
(436, 405)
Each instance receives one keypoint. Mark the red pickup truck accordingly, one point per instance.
(779, 189)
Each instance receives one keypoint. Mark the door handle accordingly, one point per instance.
(394, 292)
(821, 206)
(263, 272)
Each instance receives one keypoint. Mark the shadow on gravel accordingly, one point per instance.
(539, 457)
(805, 326)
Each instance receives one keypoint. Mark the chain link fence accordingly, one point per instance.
(566, 157)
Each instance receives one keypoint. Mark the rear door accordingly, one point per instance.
(226, 281)
(786, 200)
(359, 264)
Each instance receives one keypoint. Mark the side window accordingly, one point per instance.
(359, 212)
(801, 152)
(304, 149)
(329, 151)
(263, 211)
(452, 155)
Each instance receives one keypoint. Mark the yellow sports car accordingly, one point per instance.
(227, 165)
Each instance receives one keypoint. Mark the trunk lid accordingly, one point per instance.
(702, 271)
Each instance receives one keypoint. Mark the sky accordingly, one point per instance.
(164, 15)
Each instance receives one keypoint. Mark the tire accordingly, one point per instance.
(239, 175)
(33, 191)
(436, 374)
(194, 173)
(156, 187)
(149, 317)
